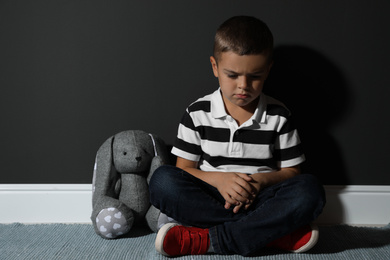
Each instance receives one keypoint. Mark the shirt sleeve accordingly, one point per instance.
(288, 148)
(188, 142)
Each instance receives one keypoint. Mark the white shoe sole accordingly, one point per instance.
(159, 243)
(312, 241)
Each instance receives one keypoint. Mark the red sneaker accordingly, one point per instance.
(298, 241)
(174, 240)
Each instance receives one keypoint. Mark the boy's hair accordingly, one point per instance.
(243, 35)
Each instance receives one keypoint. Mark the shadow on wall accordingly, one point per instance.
(316, 93)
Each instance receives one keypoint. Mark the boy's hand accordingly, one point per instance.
(255, 188)
(261, 180)
(233, 186)
(236, 189)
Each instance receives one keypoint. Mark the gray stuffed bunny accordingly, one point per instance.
(124, 165)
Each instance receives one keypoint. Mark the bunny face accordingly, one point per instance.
(132, 152)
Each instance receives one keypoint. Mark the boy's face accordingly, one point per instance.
(241, 78)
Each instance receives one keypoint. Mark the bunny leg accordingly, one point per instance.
(111, 218)
(112, 223)
(152, 218)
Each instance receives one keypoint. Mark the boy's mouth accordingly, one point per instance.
(242, 96)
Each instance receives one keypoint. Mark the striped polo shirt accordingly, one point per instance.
(266, 142)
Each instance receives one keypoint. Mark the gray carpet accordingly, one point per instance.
(78, 241)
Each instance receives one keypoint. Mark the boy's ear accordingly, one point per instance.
(214, 65)
(270, 65)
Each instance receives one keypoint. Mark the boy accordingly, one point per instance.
(237, 187)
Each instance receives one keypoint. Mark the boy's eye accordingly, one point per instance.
(232, 76)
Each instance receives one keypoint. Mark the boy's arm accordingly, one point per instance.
(234, 187)
(266, 179)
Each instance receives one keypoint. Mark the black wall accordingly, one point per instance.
(73, 73)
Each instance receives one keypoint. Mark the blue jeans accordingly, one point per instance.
(277, 210)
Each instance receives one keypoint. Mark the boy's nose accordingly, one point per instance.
(243, 83)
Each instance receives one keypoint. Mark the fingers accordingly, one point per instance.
(243, 189)
(238, 206)
(248, 205)
(242, 205)
(229, 201)
(244, 193)
(240, 194)
(237, 190)
(227, 205)
(244, 176)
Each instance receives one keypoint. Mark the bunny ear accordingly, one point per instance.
(103, 182)
(154, 145)
(160, 149)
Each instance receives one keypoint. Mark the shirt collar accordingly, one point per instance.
(218, 107)
(260, 114)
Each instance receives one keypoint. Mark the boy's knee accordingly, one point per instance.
(311, 184)
(160, 178)
(161, 184)
(311, 192)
